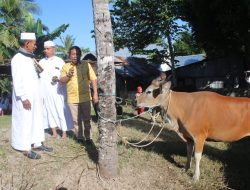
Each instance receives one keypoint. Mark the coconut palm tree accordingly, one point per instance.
(67, 42)
(108, 156)
(43, 34)
(17, 16)
(13, 15)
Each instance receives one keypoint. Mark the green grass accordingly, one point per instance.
(5, 121)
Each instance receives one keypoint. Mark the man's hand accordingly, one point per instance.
(55, 79)
(71, 72)
(26, 104)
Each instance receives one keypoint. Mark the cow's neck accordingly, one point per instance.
(174, 110)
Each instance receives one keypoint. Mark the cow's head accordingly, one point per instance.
(154, 95)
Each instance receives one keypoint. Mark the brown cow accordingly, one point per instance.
(200, 116)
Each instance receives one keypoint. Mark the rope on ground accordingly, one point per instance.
(125, 141)
(98, 173)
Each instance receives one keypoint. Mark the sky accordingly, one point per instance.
(77, 13)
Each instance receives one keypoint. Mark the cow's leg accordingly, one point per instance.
(197, 156)
(198, 152)
(190, 150)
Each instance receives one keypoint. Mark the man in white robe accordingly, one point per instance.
(57, 113)
(27, 118)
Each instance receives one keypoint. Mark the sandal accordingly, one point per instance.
(32, 155)
(43, 148)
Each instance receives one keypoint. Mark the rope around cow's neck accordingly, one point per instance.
(120, 120)
(124, 139)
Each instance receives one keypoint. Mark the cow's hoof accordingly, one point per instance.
(195, 178)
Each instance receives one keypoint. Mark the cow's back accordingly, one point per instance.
(214, 116)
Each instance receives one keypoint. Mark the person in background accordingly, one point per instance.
(56, 110)
(4, 104)
(27, 132)
(1, 107)
(162, 77)
(138, 93)
(77, 75)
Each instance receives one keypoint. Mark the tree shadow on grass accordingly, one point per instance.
(92, 151)
(236, 159)
(237, 168)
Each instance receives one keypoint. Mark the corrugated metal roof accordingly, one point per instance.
(183, 61)
(189, 59)
(137, 68)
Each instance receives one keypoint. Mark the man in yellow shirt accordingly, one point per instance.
(77, 76)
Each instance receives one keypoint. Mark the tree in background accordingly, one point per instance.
(5, 84)
(185, 44)
(17, 16)
(67, 42)
(13, 15)
(43, 35)
(220, 27)
(84, 50)
(139, 23)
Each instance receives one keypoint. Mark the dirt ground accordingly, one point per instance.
(72, 166)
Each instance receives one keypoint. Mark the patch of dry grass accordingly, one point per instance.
(157, 166)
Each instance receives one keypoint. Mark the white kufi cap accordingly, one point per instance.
(49, 44)
(28, 36)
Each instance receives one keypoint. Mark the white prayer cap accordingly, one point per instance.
(49, 44)
(28, 36)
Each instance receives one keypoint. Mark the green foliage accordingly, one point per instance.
(13, 15)
(137, 24)
(186, 44)
(41, 37)
(17, 16)
(5, 84)
(84, 50)
(221, 27)
(67, 42)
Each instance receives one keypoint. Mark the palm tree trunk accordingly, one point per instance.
(107, 153)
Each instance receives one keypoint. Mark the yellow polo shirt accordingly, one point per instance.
(78, 85)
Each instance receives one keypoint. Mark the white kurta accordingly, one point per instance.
(57, 112)
(27, 125)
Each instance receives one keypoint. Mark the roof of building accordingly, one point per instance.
(183, 61)
(189, 59)
(137, 68)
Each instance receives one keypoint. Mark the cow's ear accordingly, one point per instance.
(155, 82)
(166, 86)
